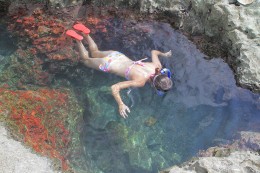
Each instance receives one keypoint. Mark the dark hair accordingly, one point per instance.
(162, 82)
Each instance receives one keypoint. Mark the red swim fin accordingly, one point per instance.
(73, 34)
(81, 27)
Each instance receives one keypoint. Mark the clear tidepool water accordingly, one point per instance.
(205, 107)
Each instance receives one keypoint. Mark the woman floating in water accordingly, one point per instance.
(136, 72)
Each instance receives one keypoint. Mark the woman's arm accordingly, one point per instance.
(155, 58)
(116, 93)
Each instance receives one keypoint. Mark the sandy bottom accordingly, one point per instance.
(16, 158)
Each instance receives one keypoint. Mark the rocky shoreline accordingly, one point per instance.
(235, 162)
(227, 27)
(243, 155)
(16, 158)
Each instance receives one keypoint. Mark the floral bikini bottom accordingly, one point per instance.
(108, 59)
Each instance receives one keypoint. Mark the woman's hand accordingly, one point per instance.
(122, 85)
(167, 54)
(122, 110)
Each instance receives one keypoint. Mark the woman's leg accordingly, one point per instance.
(95, 52)
(82, 51)
(89, 62)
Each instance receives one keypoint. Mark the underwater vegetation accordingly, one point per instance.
(43, 119)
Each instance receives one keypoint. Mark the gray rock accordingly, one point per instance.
(16, 158)
(236, 162)
(4, 5)
(245, 2)
(248, 141)
(239, 157)
(61, 3)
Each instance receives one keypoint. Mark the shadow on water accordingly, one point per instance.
(7, 43)
(7, 46)
(204, 109)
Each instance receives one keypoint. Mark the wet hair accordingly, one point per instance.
(162, 82)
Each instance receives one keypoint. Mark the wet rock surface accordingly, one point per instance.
(236, 162)
(240, 156)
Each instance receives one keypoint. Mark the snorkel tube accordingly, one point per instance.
(164, 71)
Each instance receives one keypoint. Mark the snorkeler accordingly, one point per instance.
(137, 73)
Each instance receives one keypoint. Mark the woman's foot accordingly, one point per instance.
(75, 35)
(82, 28)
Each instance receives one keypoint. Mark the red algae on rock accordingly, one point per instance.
(40, 118)
(45, 32)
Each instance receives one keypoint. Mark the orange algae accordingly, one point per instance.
(46, 33)
(39, 116)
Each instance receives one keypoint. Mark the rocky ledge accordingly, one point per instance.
(15, 157)
(235, 162)
(243, 155)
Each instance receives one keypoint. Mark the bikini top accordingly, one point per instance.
(164, 71)
(139, 62)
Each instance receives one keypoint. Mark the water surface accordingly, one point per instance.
(205, 107)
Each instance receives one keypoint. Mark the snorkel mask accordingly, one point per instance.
(164, 71)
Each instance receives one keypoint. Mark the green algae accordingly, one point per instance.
(20, 70)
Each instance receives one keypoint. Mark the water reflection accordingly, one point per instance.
(205, 107)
